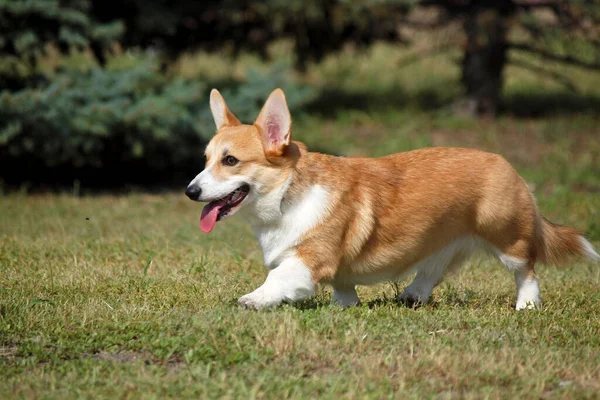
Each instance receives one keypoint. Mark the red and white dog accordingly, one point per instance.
(359, 221)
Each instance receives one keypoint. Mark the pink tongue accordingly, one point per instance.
(209, 216)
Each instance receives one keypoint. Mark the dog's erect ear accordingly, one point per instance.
(275, 124)
(221, 114)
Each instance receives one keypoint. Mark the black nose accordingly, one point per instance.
(193, 192)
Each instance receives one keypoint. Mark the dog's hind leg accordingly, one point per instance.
(528, 290)
(516, 260)
(345, 295)
(518, 256)
(431, 271)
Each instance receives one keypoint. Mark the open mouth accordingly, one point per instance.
(219, 209)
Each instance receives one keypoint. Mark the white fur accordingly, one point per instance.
(278, 236)
(278, 228)
(510, 262)
(290, 281)
(345, 296)
(528, 291)
(264, 208)
(432, 269)
(213, 189)
(588, 250)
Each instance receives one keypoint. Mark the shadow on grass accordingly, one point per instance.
(537, 104)
(308, 304)
(541, 104)
(451, 297)
(464, 298)
(332, 100)
(394, 301)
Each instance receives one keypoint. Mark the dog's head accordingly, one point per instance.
(246, 165)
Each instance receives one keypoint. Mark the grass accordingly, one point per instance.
(111, 297)
(122, 296)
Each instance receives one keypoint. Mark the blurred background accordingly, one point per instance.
(102, 94)
(107, 286)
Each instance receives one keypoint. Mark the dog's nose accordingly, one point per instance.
(193, 192)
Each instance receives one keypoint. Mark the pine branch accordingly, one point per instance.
(553, 57)
(560, 78)
(536, 3)
(468, 4)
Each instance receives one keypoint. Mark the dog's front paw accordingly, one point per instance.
(257, 300)
(528, 305)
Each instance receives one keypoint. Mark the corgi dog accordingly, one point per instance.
(321, 219)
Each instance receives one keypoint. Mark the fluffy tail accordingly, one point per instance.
(556, 243)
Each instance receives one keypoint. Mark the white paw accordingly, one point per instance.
(257, 300)
(528, 305)
(528, 294)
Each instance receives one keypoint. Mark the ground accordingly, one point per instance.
(122, 296)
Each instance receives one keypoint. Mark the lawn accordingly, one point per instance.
(122, 296)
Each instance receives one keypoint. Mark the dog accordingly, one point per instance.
(359, 221)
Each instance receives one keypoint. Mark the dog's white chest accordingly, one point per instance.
(278, 239)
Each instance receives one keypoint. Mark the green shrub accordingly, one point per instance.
(28, 27)
(112, 119)
(79, 116)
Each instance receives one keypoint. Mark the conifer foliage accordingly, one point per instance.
(97, 116)
(135, 120)
(28, 26)
(107, 125)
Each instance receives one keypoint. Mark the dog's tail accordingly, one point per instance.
(556, 243)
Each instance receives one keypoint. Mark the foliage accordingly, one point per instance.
(80, 116)
(320, 27)
(564, 32)
(111, 118)
(101, 117)
(246, 100)
(317, 27)
(27, 27)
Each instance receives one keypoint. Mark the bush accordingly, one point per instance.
(116, 121)
(27, 27)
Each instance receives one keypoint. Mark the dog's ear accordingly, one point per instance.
(221, 114)
(275, 124)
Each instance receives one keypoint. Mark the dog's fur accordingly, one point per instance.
(358, 221)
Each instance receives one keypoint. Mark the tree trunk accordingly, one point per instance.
(484, 60)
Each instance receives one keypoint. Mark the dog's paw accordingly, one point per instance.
(412, 300)
(257, 300)
(528, 305)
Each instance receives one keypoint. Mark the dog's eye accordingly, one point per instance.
(230, 161)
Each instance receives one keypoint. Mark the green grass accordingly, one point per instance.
(109, 296)
(123, 296)
(136, 301)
